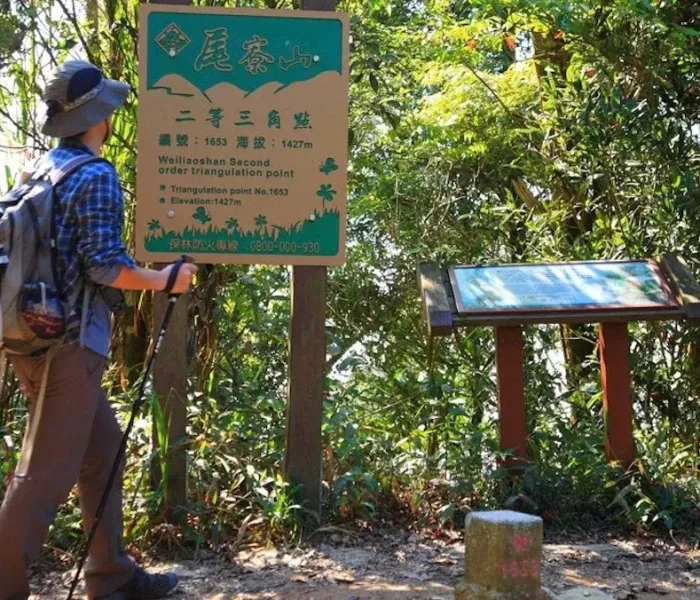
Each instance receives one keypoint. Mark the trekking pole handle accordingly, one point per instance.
(172, 277)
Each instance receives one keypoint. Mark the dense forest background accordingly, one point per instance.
(482, 131)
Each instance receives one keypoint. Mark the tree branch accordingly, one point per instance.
(514, 117)
(74, 21)
(25, 131)
(318, 4)
(524, 193)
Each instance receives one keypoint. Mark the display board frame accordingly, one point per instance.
(670, 303)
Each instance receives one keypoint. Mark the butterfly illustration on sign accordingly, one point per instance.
(328, 166)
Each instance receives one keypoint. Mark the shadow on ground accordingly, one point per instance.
(404, 566)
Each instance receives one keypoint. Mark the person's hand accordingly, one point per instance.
(183, 283)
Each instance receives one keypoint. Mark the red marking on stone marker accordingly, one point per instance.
(535, 567)
(524, 568)
(521, 543)
(514, 570)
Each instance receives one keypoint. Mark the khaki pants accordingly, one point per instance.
(72, 435)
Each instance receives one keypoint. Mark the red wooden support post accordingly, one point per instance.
(511, 393)
(617, 401)
(170, 384)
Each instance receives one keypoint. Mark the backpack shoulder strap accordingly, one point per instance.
(28, 173)
(59, 173)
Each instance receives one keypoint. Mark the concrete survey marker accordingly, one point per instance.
(503, 558)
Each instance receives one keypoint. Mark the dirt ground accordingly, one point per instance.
(405, 566)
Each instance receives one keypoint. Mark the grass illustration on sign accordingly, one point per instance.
(316, 236)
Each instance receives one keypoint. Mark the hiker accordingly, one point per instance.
(72, 434)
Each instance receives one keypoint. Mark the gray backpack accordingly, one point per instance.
(37, 313)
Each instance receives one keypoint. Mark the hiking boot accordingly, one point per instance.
(144, 587)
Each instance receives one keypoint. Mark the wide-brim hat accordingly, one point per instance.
(78, 97)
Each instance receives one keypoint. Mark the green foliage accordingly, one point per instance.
(482, 131)
(665, 491)
(10, 35)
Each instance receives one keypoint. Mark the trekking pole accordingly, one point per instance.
(138, 403)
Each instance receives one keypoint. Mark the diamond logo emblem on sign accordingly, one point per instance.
(172, 40)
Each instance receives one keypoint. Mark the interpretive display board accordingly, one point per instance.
(561, 287)
(508, 297)
(243, 134)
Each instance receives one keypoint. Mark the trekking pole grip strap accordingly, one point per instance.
(172, 277)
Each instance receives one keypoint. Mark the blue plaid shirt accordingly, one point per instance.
(89, 215)
(88, 219)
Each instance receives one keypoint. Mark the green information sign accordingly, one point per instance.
(560, 287)
(243, 119)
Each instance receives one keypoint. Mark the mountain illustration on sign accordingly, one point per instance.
(201, 215)
(328, 166)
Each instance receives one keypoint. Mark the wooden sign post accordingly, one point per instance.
(170, 385)
(243, 159)
(611, 293)
(307, 367)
